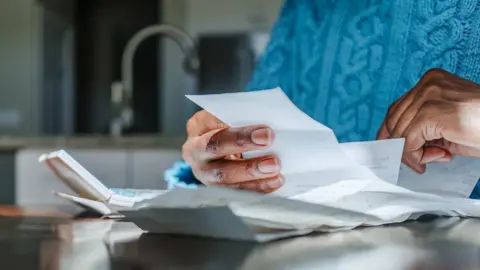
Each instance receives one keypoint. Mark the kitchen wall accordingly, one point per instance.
(18, 48)
(199, 17)
(34, 34)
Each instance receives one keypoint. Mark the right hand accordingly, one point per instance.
(214, 151)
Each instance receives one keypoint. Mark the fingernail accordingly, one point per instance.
(443, 160)
(262, 136)
(275, 183)
(430, 160)
(268, 166)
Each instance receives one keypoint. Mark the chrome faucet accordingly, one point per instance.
(122, 91)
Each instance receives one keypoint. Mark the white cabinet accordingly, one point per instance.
(150, 165)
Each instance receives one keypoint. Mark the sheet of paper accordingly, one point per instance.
(274, 210)
(379, 157)
(382, 157)
(310, 153)
(455, 179)
(300, 142)
(268, 107)
(391, 203)
(299, 183)
(373, 203)
(204, 221)
(329, 186)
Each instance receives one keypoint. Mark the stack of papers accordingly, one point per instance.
(328, 186)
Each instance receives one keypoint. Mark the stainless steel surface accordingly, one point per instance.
(438, 244)
(122, 92)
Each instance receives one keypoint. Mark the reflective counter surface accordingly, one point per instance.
(44, 242)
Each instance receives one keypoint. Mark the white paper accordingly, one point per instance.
(292, 127)
(382, 157)
(309, 151)
(455, 179)
(329, 186)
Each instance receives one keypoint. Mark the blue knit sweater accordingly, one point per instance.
(344, 62)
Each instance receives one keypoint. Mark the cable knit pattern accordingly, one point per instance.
(344, 62)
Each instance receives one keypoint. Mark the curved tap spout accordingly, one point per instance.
(123, 95)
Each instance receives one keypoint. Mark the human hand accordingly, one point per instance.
(214, 150)
(439, 117)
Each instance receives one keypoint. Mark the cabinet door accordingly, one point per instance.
(35, 182)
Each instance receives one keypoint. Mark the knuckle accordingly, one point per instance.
(391, 109)
(243, 138)
(250, 169)
(430, 90)
(389, 125)
(196, 121)
(214, 143)
(192, 124)
(201, 171)
(192, 147)
(185, 150)
(188, 151)
(434, 73)
(219, 124)
(220, 175)
(430, 106)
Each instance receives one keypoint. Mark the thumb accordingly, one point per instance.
(435, 154)
(418, 159)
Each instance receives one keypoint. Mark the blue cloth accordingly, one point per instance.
(343, 62)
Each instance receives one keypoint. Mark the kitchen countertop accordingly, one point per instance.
(58, 242)
(8, 143)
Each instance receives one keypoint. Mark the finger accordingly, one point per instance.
(231, 141)
(443, 160)
(448, 158)
(203, 122)
(425, 88)
(455, 148)
(398, 109)
(412, 160)
(433, 153)
(403, 120)
(466, 151)
(383, 133)
(268, 185)
(427, 94)
(227, 172)
(425, 127)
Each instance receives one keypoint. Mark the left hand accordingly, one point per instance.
(439, 117)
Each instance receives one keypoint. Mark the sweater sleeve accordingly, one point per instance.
(267, 75)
